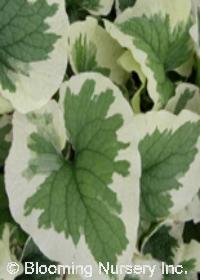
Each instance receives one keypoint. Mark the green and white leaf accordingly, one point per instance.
(157, 34)
(5, 106)
(169, 147)
(5, 137)
(92, 49)
(33, 51)
(88, 195)
(6, 255)
(187, 97)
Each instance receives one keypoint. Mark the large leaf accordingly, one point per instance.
(33, 51)
(158, 37)
(82, 193)
(169, 148)
(92, 49)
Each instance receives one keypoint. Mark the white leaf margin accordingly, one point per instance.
(45, 77)
(54, 245)
(145, 124)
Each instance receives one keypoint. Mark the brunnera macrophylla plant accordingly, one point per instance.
(100, 136)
